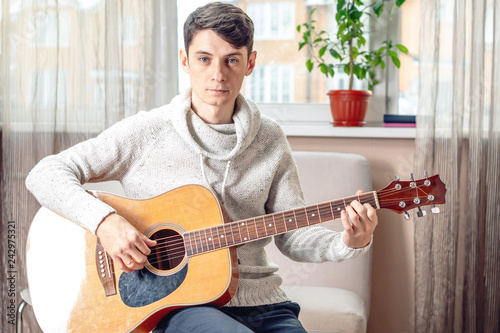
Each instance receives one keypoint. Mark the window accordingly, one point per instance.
(273, 20)
(270, 84)
(129, 30)
(44, 32)
(42, 96)
(281, 76)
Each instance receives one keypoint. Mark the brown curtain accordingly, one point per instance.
(457, 254)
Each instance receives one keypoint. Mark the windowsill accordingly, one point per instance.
(314, 120)
(374, 130)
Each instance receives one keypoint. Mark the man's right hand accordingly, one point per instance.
(124, 243)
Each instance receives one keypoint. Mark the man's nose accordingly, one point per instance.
(219, 71)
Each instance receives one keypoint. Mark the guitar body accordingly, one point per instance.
(63, 267)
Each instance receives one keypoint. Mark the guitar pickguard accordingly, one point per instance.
(141, 288)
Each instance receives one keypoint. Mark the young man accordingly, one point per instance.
(210, 135)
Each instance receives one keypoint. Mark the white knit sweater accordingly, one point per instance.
(248, 165)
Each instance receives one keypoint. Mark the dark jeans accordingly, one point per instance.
(275, 318)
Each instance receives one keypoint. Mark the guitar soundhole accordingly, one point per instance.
(169, 251)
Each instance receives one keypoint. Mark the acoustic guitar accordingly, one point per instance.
(74, 285)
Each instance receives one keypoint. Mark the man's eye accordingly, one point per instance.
(203, 59)
(232, 61)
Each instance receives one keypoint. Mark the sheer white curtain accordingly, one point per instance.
(457, 276)
(69, 69)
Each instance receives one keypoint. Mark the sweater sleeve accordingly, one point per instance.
(56, 180)
(311, 244)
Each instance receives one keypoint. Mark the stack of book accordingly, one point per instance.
(399, 120)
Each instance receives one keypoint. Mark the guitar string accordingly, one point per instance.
(236, 223)
(299, 213)
(197, 240)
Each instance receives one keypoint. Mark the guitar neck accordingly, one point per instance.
(245, 231)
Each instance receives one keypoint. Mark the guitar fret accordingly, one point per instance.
(284, 221)
(265, 227)
(218, 237)
(209, 237)
(239, 233)
(248, 232)
(311, 216)
(199, 246)
(235, 230)
(295, 218)
(192, 243)
(319, 214)
(279, 225)
(199, 242)
(232, 233)
(256, 230)
(229, 234)
(187, 243)
(223, 235)
(307, 217)
(206, 240)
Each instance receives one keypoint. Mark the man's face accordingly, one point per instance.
(216, 70)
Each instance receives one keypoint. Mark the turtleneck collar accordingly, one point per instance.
(219, 142)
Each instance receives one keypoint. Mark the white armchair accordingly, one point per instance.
(334, 297)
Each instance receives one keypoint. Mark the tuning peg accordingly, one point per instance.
(421, 213)
(407, 215)
(411, 176)
(435, 209)
(396, 177)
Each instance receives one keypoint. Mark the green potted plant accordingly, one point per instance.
(346, 50)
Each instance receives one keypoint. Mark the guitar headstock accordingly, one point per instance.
(401, 196)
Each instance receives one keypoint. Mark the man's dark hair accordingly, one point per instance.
(229, 22)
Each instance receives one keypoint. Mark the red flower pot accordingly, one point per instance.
(349, 106)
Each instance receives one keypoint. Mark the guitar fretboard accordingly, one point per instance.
(244, 231)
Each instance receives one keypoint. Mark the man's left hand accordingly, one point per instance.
(359, 222)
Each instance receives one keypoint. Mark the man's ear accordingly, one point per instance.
(184, 60)
(251, 63)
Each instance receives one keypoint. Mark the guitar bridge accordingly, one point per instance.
(105, 270)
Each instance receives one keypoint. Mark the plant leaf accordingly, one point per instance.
(402, 48)
(378, 7)
(340, 5)
(396, 61)
(322, 51)
(323, 68)
(357, 70)
(382, 49)
(400, 2)
(309, 64)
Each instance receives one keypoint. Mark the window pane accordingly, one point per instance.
(408, 72)
(281, 75)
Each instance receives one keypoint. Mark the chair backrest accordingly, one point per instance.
(327, 176)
